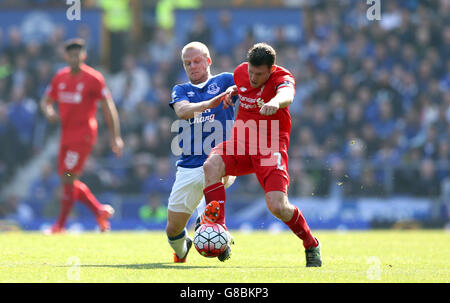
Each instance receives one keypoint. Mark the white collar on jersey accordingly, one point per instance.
(201, 85)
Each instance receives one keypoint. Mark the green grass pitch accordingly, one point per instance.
(354, 256)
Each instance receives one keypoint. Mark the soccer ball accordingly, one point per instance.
(211, 240)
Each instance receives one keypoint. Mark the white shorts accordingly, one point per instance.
(187, 190)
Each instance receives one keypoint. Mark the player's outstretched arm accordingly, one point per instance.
(187, 110)
(112, 119)
(282, 99)
(46, 105)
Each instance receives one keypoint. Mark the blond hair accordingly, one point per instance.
(196, 45)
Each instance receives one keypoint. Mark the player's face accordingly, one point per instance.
(258, 75)
(75, 57)
(196, 65)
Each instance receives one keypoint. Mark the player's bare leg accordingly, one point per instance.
(278, 204)
(177, 234)
(214, 169)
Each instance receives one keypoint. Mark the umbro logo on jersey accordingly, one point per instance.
(190, 94)
(243, 89)
(61, 86)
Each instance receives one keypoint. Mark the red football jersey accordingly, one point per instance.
(77, 96)
(252, 99)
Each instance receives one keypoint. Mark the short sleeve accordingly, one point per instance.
(100, 90)
(178, 94)
(51, 89)
(284, 79)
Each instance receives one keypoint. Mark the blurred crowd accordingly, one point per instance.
(371, 115)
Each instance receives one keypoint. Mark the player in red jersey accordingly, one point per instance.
(259, 144)
(77, 88)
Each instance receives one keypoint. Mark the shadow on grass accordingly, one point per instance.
(143, 266)
(166, 266)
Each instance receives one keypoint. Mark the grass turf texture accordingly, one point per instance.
(373, 256)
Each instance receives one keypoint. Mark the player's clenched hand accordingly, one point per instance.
(117, 145)
(52, 116)
(214, 102)
(230, 93)
(269, 108)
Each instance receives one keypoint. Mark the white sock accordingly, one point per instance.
(178, 243)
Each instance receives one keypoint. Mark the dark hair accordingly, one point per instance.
(76, 43)
(262, 54)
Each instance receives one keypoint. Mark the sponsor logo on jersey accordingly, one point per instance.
(201, 119)
(247, 99)
(69, 97)
(260, 102)
(247, 106)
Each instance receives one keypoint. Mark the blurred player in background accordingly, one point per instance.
(199, 102)
(77, 88)
(265, 91)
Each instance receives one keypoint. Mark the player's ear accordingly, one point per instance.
(272, 69)
(209, 60)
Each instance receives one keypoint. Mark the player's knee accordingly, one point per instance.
(173, 229)
(276, 203)
(275, 209)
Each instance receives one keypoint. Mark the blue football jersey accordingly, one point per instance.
(198, 135)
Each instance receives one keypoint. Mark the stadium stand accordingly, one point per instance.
(371, 116)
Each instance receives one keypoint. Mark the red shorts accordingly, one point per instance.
(72, 158)
(270, 168)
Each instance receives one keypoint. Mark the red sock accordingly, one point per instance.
(216, 192)
(67, 202)
(301, 229)
(84, 194)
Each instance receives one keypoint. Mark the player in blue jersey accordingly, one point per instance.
(198, 104)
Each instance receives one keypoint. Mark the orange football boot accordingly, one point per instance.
(102, 219)
(211, 213)
(57, 229)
